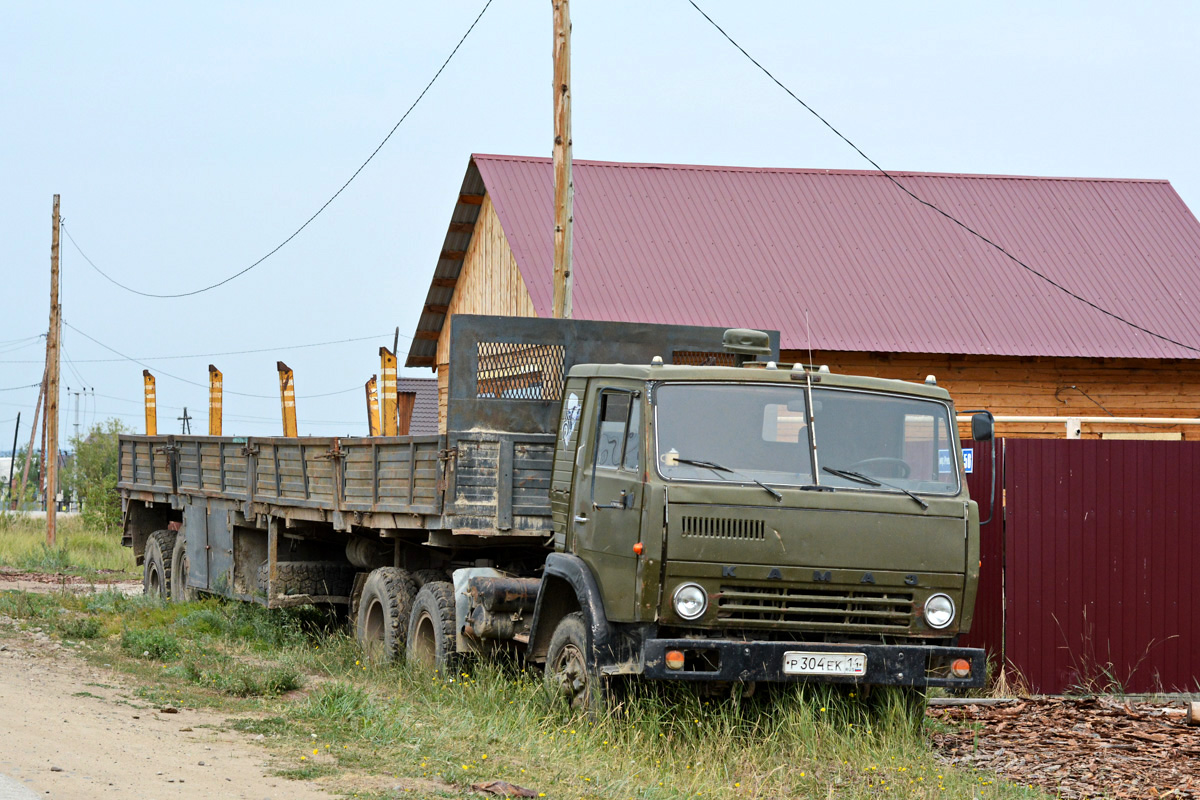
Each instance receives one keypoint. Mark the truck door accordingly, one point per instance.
(607, 496)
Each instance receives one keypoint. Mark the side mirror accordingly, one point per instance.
(983, 426)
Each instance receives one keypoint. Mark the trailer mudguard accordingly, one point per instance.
(567, 586)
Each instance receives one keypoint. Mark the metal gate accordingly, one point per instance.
(1091, 570)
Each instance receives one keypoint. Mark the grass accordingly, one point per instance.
(78, 550)
(298, 681)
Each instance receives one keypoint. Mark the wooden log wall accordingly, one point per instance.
(1063, 387)
(490, 283)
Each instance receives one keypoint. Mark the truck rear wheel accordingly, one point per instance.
(383, 612)
(571, 674)
(180, 592)
(424, 576)
(156, 566)
(431, 640)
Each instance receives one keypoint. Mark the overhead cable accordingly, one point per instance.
(935, 208)
(316, 214)
(356, 388)
(213, 355)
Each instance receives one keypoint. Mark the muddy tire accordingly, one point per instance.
(180, 591)
(571, 674)
(383, 611)
(156, 565)
(431, 641)
(424, 576)
(316, 578)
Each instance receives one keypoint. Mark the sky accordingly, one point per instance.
(189, 140)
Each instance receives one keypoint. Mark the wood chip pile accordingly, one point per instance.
(1078, 748)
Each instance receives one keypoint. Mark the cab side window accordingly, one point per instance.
(617, 431)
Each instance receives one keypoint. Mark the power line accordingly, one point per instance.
(24, 339)
(238, 417)
(316, 214)
(157, 371)
(18, 388)
(12, 348)
(213, 355)
(933, 207)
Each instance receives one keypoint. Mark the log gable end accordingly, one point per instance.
(490, 283)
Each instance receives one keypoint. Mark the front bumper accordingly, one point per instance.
(887, 665)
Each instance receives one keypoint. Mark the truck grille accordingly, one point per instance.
(747, 530)
(815, 608)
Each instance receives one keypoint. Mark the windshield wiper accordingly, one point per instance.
(718, 468)
(858, 477)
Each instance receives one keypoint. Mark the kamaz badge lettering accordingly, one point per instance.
(822, 577)
(727, 572)
(867, 578)
(774, 574)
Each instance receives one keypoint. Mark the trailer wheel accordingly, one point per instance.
(424, 576)
(156, 568)
(571, 673)
(383, 612)
(316, 578)
(180, 591)
(431, 627)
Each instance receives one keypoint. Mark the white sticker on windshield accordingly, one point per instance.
(944, 463)
(570, 417)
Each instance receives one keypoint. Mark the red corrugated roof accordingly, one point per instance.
(702, 245)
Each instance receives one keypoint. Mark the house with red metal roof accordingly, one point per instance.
(846, 264)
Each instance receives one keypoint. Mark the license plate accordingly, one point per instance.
(795, 663)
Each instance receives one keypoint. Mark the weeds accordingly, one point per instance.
(79, 628)
(240, 679)
(441, 732)
(80, 550)
(156, 645)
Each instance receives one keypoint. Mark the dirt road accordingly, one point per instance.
(75, 732)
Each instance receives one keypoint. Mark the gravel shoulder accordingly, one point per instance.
(74, 732)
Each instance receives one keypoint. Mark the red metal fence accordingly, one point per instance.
(1099, 548)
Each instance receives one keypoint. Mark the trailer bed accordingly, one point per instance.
(483, 484)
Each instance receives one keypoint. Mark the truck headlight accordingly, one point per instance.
(939, 611)
(690, 601)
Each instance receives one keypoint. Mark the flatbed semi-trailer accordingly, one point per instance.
(609, 499)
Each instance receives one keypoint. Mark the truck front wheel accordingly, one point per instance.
(156, 567)
(571, 673)
(383, 611)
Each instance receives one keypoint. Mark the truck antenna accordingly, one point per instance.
(808, 328)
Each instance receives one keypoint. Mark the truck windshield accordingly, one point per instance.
(760, 432)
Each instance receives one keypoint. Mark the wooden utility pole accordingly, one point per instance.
(37, 410)
(564, 187)
(52, 388)
(12, 467)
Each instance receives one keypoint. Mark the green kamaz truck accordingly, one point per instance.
(608, 499)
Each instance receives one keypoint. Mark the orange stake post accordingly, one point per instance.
(387, 419)
(287, 398)
(151, 404)
(215, 400)
(372, 408)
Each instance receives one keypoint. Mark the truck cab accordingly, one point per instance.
(767, 523)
